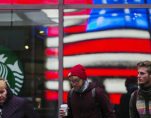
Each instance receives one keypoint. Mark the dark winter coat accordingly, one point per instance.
(17, 107)
(83, 105)
(140, 104)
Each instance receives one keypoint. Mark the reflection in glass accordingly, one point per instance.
(109, 42)
(24, 18)
(29, 2)
(107, 1)
(101, 19)
(25, 33)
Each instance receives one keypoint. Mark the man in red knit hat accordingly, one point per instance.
(77, 77)
(85, 100)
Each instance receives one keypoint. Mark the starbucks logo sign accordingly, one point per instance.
(11, 70)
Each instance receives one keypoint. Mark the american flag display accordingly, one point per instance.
(108, 42)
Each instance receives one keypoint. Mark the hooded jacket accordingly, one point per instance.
(83, 105)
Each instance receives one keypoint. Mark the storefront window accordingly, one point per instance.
(103, 40)
(107, 41)
(24, 51)
(106, 1)
(29, 2)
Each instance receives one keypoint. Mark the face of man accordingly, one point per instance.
(144, 78)
(76, 82)
(3, 92)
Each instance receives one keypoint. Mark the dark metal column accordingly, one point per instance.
(60, 54)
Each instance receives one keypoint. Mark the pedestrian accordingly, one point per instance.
(140, 102)
(85, 100)
(123, 109)
(12, 106)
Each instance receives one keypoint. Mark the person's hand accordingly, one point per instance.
(62, 113)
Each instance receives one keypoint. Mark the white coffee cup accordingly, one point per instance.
(64, 107)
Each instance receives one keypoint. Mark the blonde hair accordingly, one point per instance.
(146, 64)
(3, 84)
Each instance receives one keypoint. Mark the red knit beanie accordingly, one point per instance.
(78, 70)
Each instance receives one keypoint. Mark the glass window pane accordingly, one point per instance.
(106, 1)
(28, 1)
(25, 56)
(51, 65)
(108, 42)
(5, 1)
(103, 19)
(24, 18)
(78, 2)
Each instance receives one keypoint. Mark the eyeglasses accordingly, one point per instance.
(74, 80)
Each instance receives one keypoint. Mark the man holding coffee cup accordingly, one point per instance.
(83, 100)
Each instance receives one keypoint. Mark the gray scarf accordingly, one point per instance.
(84, 87)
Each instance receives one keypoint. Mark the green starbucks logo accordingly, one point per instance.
(10, 70)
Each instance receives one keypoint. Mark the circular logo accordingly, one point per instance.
(11, 70)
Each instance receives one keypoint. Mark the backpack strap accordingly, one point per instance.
(96, 101)
(94, 97)
(133, 100)
(70, 93)
(135, 96)
(93, 92)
